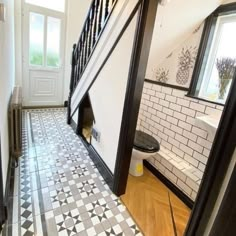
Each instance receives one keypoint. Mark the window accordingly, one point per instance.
(44, 40)
(57, 5)
(216, 62)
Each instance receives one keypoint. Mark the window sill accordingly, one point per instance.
(204, 100)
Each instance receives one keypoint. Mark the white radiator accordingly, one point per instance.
(15, 121)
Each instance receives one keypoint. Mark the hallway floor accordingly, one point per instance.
(148, 200)
(57, 190)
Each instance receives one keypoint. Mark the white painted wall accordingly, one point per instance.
(76, 13)
(175, 22)
(107, 97)
(7, 78)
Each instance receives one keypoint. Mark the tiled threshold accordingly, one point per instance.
(57, 189)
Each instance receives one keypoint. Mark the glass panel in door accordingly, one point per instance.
(36, 39)
(53, 41)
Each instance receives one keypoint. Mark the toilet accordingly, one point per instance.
(144, 147)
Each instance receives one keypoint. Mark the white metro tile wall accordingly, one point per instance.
(169, 116)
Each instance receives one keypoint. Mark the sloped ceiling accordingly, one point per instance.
(174, 23)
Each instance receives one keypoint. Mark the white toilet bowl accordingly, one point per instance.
(145, 146)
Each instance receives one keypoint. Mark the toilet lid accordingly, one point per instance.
(145, 142)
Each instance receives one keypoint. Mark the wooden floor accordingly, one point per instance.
(148, 202)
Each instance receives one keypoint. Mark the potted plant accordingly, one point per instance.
(226, 69)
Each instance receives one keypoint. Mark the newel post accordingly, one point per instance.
(72, 78)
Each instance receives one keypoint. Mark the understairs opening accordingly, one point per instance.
(86, 119)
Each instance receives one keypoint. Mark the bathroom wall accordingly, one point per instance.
(169, 116)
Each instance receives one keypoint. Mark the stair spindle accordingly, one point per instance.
(100, 18)
(106, 9)
(95, 22)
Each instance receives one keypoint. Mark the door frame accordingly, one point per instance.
(222, 148)
(26, 8)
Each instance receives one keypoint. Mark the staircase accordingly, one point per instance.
(98, 15)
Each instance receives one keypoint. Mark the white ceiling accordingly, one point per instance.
(174, 23)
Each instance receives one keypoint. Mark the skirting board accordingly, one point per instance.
(183, 197)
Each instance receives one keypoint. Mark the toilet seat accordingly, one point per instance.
(145, 143)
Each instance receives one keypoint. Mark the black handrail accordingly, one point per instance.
(97, 17)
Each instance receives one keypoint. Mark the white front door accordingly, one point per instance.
(43, 47)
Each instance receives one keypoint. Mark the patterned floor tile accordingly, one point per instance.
(57, 188)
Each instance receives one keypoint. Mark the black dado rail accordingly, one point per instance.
(95, 22)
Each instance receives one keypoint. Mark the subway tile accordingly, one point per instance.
(210, 111)
(168, 111)
(155, 119)
(166, 145)
(174, 142)
(191, 120)
(152, 111)
(198, 173)
(166, 90)
(185, 125)
(197, 107)
(204, 143)
(201, 167)
(157, 107)
(184, 187)
(164, 103)
(199, 132)
(160, 95)
(190, 175)
(170, 98)
(188, 112)
(147, 114)
(179, 116)
(154, 99)
(192, 184)
(183, 102)
(175, 107)
(170, 176)
(147, 85)
(207, 104)
(176, 129)
(178, 93)
(166, 164)
(186, 149)
(163, 136)
(150, 122)
(195, 146)
(159, 127)
(156, 87)
(161, 115)
(172, 120)
(193, 195)
(145, 96)
(181, 139)
(179, 174)
(150, 92)
(191, 160)
(165, 124)
(200, 157)
(177, 151)
(169, 133)
(144, 107)
(206, 152)
(190, 135)
(148, 103)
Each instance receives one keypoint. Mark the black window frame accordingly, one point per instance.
(204, 48)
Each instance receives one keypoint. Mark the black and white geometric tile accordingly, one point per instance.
(57, 188)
